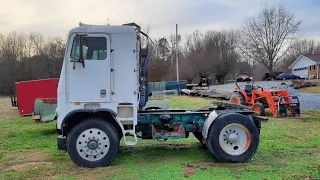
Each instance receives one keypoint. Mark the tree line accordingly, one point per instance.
(27, 57)
(268, 41)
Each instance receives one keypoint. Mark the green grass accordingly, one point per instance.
(289, 149)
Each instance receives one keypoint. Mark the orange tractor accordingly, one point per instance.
(279, 102)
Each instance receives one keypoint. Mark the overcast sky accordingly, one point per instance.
(57, 17)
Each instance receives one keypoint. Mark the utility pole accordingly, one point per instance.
(177, 54)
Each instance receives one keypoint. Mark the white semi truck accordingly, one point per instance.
(103, 88)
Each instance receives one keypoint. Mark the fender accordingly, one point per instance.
(88, 111)
(212, 116)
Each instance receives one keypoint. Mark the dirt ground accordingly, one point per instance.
(6, 110)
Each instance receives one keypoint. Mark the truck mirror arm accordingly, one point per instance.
(81, 51)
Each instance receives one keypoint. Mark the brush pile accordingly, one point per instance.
(297, 84)
(207, 93)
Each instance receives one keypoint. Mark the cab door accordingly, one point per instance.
(91, 82)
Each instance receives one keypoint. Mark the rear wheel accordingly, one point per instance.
(237, 98)
(233, 138)
(93, 143)
(258, 109)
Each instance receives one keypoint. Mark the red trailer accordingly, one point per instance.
(28, 91)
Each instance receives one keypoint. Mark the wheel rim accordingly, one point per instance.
(93, 144)
(235, 101)
(256, 109)
(234, 139)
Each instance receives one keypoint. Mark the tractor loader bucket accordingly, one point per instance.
(288, 106)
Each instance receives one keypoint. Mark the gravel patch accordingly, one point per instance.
(309, 101)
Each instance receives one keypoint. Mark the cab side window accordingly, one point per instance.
(93, 48)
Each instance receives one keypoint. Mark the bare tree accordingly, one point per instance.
(146, 30)
(159, 66)
(267, 37)
(55, 50)
(1, 52)
(163, 47)
(12, 53)
(195, 54)
(48, 54)
(187, 72)
(220, 50)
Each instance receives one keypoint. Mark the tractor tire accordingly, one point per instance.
(93, 143)
(237, 98)
(233, 138)
(259, 109)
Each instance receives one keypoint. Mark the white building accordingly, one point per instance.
(306, 66)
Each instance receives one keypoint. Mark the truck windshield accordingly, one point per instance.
(93, 48)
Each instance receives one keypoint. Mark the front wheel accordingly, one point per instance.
(233, 138)
(93, 143)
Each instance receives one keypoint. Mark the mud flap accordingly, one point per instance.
(257, 121)
(62, 143)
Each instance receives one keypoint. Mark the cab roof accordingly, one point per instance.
(114, 29)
